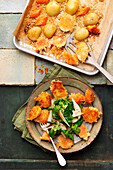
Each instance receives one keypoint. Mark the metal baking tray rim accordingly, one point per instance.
(22, 48)
(91, 73)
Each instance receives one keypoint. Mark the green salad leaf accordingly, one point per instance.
(66, 107)
(54, 130)
(75, 127)
(68, 133)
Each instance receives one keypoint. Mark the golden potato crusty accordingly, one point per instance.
(67, 22)
(42, 44)
(71, 59)
(59, 39)
(58, 90)
(35, 111)
(89, 96)
(90, 114)
(78, 98)
(44, 99)
(83, 132)
(43, 117)
(82, 51)
(64, 142)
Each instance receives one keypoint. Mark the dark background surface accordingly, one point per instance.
(16, 153)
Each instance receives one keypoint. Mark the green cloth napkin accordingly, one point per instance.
(19, 121)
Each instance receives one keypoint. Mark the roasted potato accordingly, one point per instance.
(81, 34)
(52, 8)
(72, 6)
(34, 33)
(60, 1)
(91, 19)
(49, 30)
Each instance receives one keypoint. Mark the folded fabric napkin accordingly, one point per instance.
(19, 121)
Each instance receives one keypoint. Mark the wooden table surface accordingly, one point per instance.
(17, 79)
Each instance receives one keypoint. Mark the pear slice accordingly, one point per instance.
(77, 112)
(62, 117)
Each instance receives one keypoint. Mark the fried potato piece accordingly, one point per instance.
(42, 44)
(35, 111)
(83, 132)
(71, 59)
(44, 99)
(64, 142)
(89, 96)
(93, 29)
(90, 114)
(78, 98)
(43, 117)
(67, 22)
(82, 51)
(58, 89)
(59, 39)
(45, 137)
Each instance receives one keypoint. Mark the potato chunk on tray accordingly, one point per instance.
(67, 22)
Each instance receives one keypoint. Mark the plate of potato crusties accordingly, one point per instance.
(70, 108)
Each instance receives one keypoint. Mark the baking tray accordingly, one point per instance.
(29, 49)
